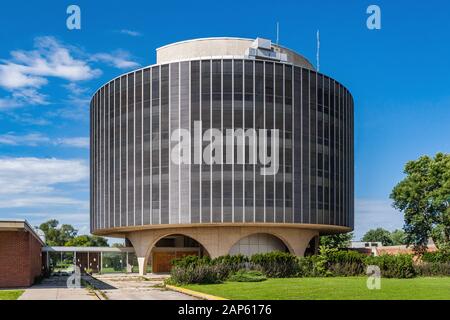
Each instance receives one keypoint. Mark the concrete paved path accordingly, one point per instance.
(134, 287)
(55, 288)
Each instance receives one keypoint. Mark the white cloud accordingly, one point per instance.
(25, 72)
(22, 179)
(31, 96)
(41, 202)
(75, 89)
(375, 213)
(37, 139)
(53, 59)
(9, 103)
(130, 33)
(43, 189)
(14, 76)
(21, 97)
(78, 142)
(27, 118)
(79, 219)
(118, 59)
(32, 139)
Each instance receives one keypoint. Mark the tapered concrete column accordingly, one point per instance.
(142, 263)
(141, 243)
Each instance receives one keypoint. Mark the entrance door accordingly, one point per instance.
(162, 260)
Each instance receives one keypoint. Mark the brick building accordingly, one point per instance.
(20, 254)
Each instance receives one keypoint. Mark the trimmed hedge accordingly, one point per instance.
(276, 264)
(394, 266)
(346, 263)
(436, 257)
(433, 269)
(193, 269)
(330, 262)
(197, 273)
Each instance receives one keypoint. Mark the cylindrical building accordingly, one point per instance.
(169, 208)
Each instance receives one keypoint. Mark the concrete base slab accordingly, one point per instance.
(55, 288)
(134, 287)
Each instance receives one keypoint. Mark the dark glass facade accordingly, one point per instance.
(134, 183)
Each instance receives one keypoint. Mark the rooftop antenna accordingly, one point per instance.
(278, 32)
(318, 51)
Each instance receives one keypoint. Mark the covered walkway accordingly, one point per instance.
(90, 259)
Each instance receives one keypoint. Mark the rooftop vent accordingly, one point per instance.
(262, 48)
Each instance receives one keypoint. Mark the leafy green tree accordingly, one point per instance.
(87, 241)
(378, 235)
(338, 241)
(424, 198)
(398, 237)
(55, 236)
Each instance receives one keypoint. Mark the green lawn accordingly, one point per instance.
(351, 288)
(10, 294)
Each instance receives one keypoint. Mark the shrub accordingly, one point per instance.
(188, 261)
(247, 276)
(232, 259)
(347, 269)
(307, 267)
(193, 269)
(197, 273)
(394, 266)
(346, 263)
(437, 256)
(231, 264)
(433, 269)
(346, 257)
(276, 264)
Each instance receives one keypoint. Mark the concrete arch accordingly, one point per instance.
(149, 250)
(218, 241)
(314, 249)
(274, 234)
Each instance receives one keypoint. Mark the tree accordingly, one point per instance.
(424, 198)
(398, 237)
(57, 236)
(338, 241)
(378, 235)
(66, 235)
(87, 241)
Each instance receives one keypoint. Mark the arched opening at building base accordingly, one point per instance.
(258, 243)
(312, 247)
(173, 247)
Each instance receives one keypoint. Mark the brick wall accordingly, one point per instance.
(20, 259)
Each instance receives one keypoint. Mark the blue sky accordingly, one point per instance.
(399, 77)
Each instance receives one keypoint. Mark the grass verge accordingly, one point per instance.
(339, 288)
(10, 294)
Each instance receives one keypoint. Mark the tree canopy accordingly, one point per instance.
(398, 237)
(67, 235)
(338, 241)
(379, 235)
(55, 236)
(394, 238)
(424, 198)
